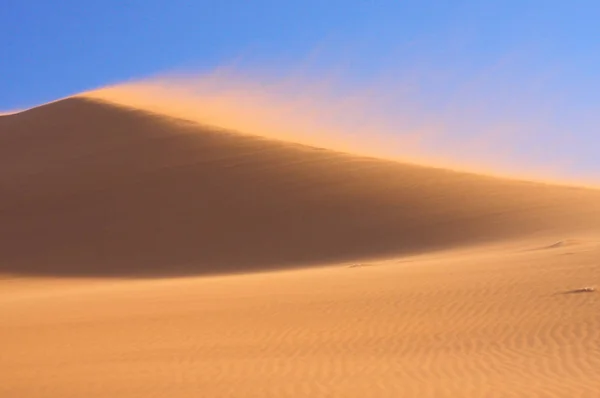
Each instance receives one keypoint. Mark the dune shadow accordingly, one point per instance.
(93, 189)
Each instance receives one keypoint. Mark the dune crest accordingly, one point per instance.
(290, 112)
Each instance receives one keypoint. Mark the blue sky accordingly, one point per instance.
(512, 60)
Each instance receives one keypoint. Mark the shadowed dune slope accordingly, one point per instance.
(92, 188)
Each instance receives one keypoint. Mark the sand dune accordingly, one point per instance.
(432, 283)
(99, 189)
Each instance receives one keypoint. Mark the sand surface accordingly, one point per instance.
(142, 255)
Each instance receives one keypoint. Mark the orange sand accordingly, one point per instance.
(127, 241)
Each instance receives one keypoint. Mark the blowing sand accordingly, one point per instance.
(143, 255)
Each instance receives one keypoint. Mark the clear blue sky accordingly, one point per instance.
(542, 55)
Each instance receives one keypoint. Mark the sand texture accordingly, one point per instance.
(143, 255)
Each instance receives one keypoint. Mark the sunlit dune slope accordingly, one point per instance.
(92, 188)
